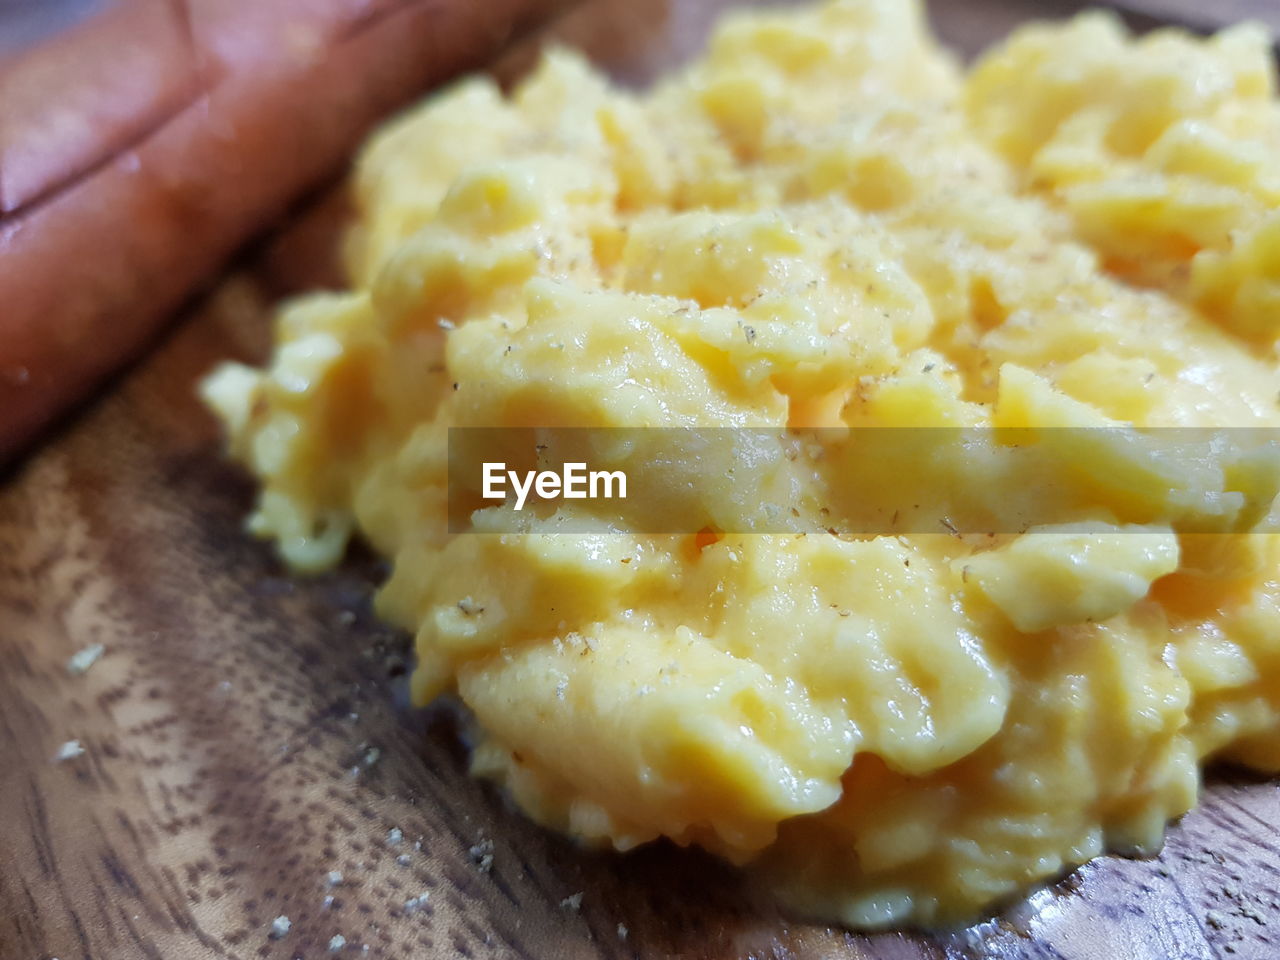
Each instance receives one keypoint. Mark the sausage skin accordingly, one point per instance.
(141, 147)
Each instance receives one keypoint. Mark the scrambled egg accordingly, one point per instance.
(824, 222)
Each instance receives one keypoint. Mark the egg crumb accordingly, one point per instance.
(82, 660)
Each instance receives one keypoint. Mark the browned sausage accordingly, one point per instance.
(141, 146)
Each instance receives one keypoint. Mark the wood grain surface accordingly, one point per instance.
(246, 732)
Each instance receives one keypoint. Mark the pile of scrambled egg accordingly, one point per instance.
(824, 222)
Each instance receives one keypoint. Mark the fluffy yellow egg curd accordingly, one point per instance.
(824, 222)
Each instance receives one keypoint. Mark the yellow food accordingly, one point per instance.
(823, 222)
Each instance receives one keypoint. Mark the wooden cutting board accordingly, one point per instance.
(245, 732)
